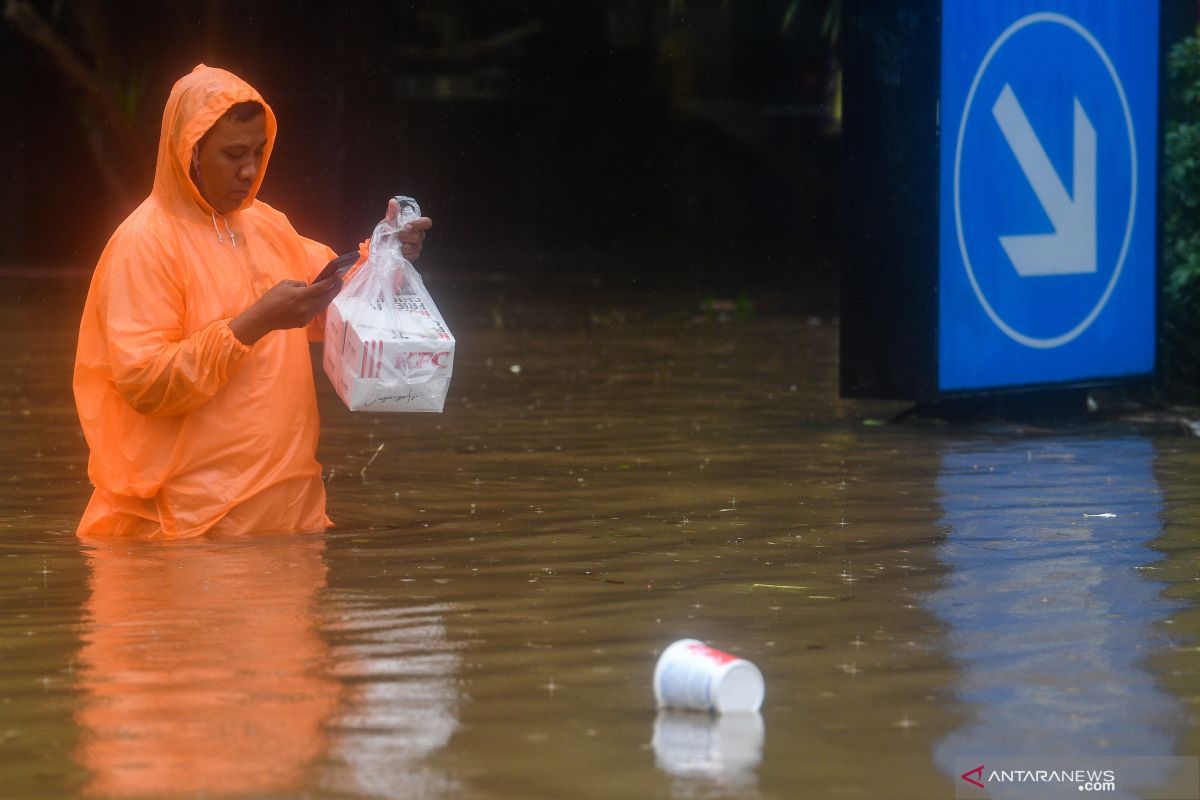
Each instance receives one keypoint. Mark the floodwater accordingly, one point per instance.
(612, 472)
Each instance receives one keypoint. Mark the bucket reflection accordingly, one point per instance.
(706, 750)
(201, 667)
(1050, 603)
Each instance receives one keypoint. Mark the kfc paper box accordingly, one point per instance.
(395, 357)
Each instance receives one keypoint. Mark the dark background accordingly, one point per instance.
(684, 141)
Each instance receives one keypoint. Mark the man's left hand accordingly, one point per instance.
(412, 236)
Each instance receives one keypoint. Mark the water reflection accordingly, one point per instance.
(708, 751)
(227, 668)
(401, 701)
(202, 670)
(1051, 600)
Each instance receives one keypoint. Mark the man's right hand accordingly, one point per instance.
(287, 304)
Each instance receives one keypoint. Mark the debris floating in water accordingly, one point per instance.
(776, 586)
(1105, 515)
(692, 675)
(362, 473)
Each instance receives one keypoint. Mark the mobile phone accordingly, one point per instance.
(339, 266)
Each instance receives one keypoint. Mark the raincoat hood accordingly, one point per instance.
(197, 101)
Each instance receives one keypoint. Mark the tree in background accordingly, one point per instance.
(114, 56)
(549, 110)
(1181, 218)
(110, 76)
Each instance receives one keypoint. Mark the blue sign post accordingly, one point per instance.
(1003, 179)
(1047, 192)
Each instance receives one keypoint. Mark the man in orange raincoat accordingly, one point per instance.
(192, 376)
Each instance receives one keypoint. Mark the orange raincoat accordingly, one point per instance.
(191, 431)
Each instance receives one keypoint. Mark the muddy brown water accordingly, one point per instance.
(612, 472)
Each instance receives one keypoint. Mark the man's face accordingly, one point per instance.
(230, 157)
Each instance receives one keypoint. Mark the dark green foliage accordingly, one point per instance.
(1180, 340)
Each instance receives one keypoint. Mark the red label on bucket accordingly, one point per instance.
(718, 657)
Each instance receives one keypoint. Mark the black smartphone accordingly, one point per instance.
(338, 266)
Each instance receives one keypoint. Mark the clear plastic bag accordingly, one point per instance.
(387, 347)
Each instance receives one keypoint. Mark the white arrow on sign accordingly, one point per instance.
(1071, 249)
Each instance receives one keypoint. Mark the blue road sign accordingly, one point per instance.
(1049, 125)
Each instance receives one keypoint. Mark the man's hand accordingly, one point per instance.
(287, 304)
(412, 236)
